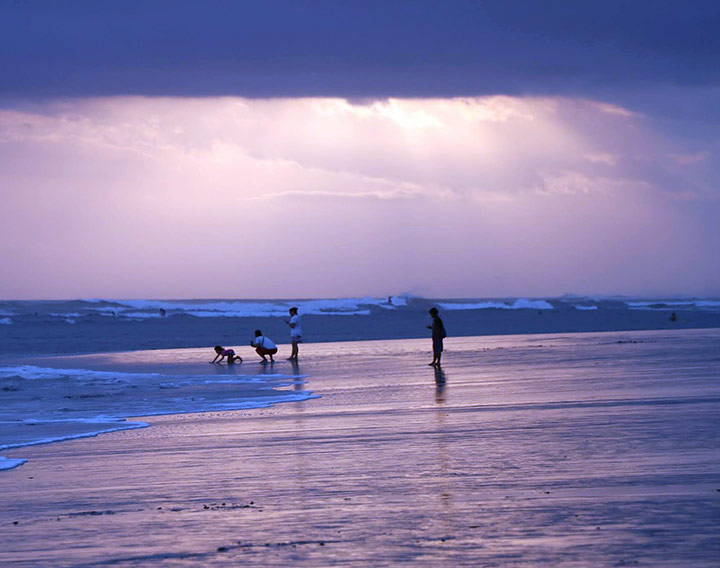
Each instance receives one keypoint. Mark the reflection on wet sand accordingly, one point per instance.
(530, 452)
(440, 382)
(441, 442)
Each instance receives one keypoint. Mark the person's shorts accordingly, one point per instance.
(296, 338)
(437, 346)
(264, 351)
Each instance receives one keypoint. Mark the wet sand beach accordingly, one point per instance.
(598, 449)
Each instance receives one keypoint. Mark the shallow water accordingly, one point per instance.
(61, 399)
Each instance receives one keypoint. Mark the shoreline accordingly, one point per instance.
(191, 362)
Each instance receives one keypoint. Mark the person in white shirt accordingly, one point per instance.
(264, 346)
(295, 333)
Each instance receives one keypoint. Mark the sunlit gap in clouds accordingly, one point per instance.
(231, 197)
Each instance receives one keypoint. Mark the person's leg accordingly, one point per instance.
(437, 351)
(272, 352)
(261, 351)
(294, 352)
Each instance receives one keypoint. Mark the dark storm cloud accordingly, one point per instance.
(354, 49)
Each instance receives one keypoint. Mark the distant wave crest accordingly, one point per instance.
(519, 304)
(242, 308)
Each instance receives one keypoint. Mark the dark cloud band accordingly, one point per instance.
(353, 49)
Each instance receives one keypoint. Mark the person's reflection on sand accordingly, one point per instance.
(443, 458)
(298, 382)
(298, 408)
(440, 382)
(267, 368)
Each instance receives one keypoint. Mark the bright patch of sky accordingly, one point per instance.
(317, 197)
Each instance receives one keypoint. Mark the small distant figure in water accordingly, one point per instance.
(221, 352)
(295, 333)
(390, 301)
(162, 313)
(673, 317)
(264, 346)
(438, 334)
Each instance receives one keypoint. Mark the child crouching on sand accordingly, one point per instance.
(229, 353)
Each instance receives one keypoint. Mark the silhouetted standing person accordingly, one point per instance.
(438, 334)
(295, 333)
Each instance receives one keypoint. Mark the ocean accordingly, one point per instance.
(156, 352)
(75, 311)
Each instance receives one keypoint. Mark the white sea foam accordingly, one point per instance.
(120, 424)
(672, 304)
(7, 463)
(44, 404)
(31, 372)
(519, 304)
(144, 309)
(81, 311)
(67, 315)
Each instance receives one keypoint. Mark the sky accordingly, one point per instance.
(274, 149)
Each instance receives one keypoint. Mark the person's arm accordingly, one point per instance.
(216, 356)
